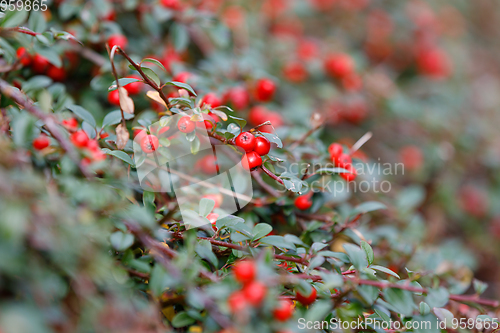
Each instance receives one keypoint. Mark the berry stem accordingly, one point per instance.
(272, 175)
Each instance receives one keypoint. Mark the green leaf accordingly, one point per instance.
(368, 250)
(123, 82)
(37, 22)
(195, 145)
(51, 55)
(180, 36)
(157, 280)
(319, 310)
(400, 300)
(204, 250)
(148, 199)
(121, 241)
(152, 75)
(385, 270)
(182, 319)
(115, 117)
(83, 114)
(424, 308)
(14, 18)
(181, 85)
(437, 298)
(278, 241)
(153, 61)
(206, 206)
(240, 121)
(316, 262)
(479, 286)
(260, 230)
(273, 138)
(36, 82)
(368, 206)
(121, 155)
(331, 170)
(356, 256)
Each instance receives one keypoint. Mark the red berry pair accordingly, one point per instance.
(254, 148)
(252, 293)
(342, 160)
(81, 140)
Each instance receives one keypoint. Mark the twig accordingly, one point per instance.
(304, 137)
(115, 74)
(264, 185)
(360, 142)
(272, 175)
(146, 78)
(48, 119)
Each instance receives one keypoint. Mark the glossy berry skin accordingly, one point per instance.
(211, 100)
(24, 56)
(135, 87)
(262, 146)
(303, 202)
(433, 63)
(41, 142)
(307, 300)
(171, 4)
(251, 160)
(70, 124)
(246, 141)
(56, 73)
(39, 64)
(335, 149)
(79, 139)
(351, 175)
(339, 65)
(114, 97)
(264, 90)
(185, 125)
(119, 40)
(284, 310)
(237, 302)
(255, 292)
(342, 160)
(212, 217)
(149, 144)
(245, 271)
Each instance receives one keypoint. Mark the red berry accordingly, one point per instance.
(342, 160)
(134, 87)
(303, 202)
(185, 125)
(119, 40)
(412, 157)
(245, 140)
(259, 115)
(56, 73)
(39, 64)
(251, 160)
(295, 72)
(139, 134)
(70, 124)
(265, 89)
(170, 56)
(237, 302)
(306, 300)
(79, 138)
(114, 97)
(255, 292)
(335, 149)
(307, 49)
(238, 97)
(149, 143)
(211, 100)
(24, 56)
(339, 65)
(262, 146)
(245, 271)
(208, 165)
(171, 4)
(434, 63)
(352, 82)
(212, 217)
(207, 123)
(41, 142)
(284, 310)
(351, 174)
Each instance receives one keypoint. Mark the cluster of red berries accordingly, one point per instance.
(81, 140)
(342, 160)
(132, 88)
(254, 148)
(40, 65)
(253, 292)
(341, 66)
